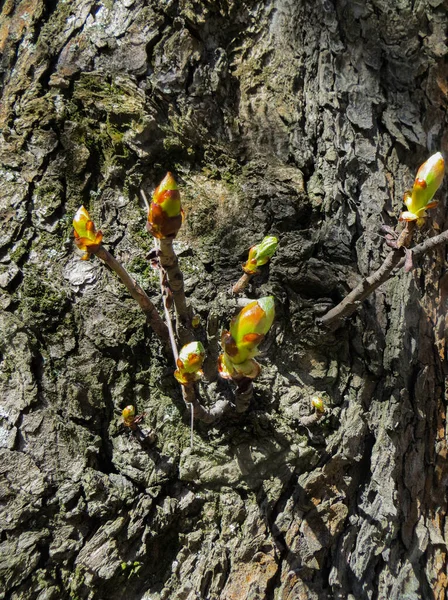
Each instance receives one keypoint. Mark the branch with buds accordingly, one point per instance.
(420, 199)
(259, 255)
(247, 329)
(165, 217)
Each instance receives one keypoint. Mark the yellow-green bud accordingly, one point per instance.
(260, 254)
(428, 180)
(318, 404)
(189, 363)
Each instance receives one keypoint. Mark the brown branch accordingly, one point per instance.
(242, 283)
(188, 391)
(170, 264)
(166, 310)
(311, 419)
(429, 244)
(353, 300)
(244, 394)
(153, 317)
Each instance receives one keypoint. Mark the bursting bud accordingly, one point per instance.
(189, 363)
(240, 344)
(128, 415)
(165, 212)
(428, 180)
(86, 236)
(260, 254)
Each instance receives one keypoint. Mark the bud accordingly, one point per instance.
(240, 344)
(428, 180)
(128, 415)
(260, 254)
(318, 404)
(189, 363)
(86, 236)
(165, 212)
(195, 321)
(248, 329)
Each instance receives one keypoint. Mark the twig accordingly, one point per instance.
(429, 244)
(395, 259)
(207, 415)
(244, 394)
(311, 419)
(136, 292)
(242, 283)
(352, 301)
(188, 392)
(170, 263)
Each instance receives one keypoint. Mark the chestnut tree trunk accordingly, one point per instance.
(304, 119)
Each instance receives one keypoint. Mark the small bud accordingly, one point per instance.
(86, 236)
(428, 180)
(128, 415)
(165, 212)
(189, 363)
(196, 321)
(260, 254)
(318, 404)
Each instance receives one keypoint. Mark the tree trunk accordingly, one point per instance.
(301, 119)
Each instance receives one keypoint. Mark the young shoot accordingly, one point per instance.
(165, 216)
(89, 240)
(428, 180)
(259, 255)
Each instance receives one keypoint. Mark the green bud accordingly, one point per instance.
(260, 254)
(189, 363)
(428, 180)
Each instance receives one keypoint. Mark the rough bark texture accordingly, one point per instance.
(305, 119)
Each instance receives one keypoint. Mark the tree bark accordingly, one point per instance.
(304, 120)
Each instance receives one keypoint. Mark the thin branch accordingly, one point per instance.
(170, 264)
(188, 392)
(244, 394)
(207, 415)
(145, 200)
(242, 283)
(136, 292)
(354, 299)
(429, 244)
(395, 258)
(166, 310)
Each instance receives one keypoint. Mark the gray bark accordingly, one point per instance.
(302, 119)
